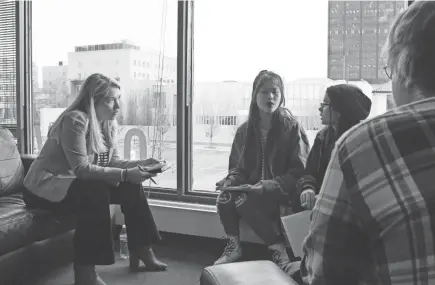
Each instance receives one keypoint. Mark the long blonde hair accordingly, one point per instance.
(95, 88)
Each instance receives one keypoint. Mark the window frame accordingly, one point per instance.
(24, 100)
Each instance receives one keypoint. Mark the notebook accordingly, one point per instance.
(296, 227)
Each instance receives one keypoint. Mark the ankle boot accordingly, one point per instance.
(232, 251)
(86, 275)
(279, 255)
(146, 255)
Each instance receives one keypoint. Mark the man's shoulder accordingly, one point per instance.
(388, 125)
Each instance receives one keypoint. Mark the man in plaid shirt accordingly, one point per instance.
(374, 220)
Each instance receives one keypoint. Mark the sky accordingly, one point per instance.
(233, 39)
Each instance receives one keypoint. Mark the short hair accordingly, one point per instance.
(410, 47)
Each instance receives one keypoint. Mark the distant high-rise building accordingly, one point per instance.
(357, 33)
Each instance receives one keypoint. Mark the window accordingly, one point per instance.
(193, 123)
(222, 82)
(146, 120)
(159, 100)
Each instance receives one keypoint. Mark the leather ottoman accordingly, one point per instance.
(247, 272)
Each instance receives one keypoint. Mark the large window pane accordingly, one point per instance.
(311, 44)
(133, 42)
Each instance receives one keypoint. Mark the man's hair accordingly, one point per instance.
(410, 47)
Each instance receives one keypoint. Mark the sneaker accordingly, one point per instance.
(280, 257)
(232, 253)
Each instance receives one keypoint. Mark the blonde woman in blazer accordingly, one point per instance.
(78, 170)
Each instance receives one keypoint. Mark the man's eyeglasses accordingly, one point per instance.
(322, 105)
(388, 72)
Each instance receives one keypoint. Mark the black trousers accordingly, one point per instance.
(89, 201)
(260, 211)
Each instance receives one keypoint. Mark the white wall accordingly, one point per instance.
(188, 219)
(379, 104)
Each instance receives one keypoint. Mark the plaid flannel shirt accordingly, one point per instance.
(374, 221)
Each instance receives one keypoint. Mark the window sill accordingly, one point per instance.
(171, 195)
(190, 219)
(183, 206)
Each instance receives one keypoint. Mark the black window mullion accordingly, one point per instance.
(24, 133)
(182, 92)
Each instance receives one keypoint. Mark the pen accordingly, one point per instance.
(143, 169)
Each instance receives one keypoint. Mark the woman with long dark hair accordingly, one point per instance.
(267, 158)
(343, 107)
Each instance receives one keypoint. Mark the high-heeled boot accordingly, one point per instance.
(146, 255)
(86, 275)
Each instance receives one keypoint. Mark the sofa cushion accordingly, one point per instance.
(20, 226)
(248, 272)
(11, 167)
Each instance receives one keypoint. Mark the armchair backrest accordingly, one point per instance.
(11, 167)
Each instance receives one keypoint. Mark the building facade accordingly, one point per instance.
(357, 31)
(123, 61)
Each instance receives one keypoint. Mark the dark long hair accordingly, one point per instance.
(344, 123)
(278, 117)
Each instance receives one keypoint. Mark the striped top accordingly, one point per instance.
(263, 139)
(103, 159)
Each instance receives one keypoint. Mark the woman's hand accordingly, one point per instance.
(136, 176)
(223, 183)
(308, 199)
(149, 161)
(256, 188)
